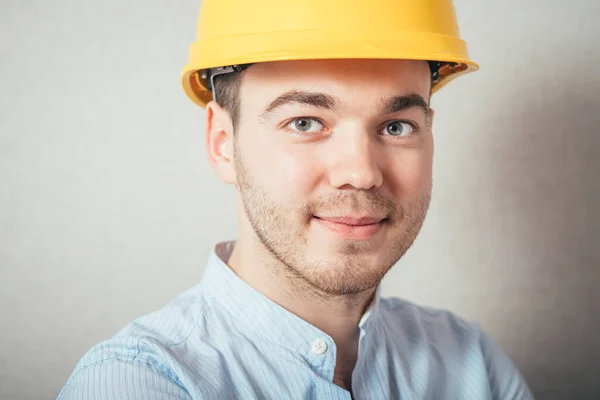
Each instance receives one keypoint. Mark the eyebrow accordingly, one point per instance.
(399, 103)
(319, 100)
(389, 105)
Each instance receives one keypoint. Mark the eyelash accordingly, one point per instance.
(414, 126)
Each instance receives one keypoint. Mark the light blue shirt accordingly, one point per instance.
(222, 339)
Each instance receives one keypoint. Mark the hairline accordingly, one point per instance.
(231, 94)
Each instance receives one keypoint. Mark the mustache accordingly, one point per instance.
(356, 202)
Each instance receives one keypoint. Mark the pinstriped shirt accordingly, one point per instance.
(222, 339)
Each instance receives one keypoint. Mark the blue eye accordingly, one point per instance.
(398, 128)
(305, 125)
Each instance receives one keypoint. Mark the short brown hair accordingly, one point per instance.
(227, 92)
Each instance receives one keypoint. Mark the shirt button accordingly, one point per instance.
(319, 346)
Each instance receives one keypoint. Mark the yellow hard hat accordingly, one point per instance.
(235, 33)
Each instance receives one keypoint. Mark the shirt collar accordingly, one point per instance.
(257, 314)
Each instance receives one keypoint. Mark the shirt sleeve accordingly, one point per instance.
(115, 379)
(505, 380)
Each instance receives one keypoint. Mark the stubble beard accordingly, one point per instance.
(280, 231)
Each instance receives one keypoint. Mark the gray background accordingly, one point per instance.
(108, 207)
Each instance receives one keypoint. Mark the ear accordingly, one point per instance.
(219, 142)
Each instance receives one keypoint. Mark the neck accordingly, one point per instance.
(337, 316)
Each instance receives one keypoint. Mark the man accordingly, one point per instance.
(318, 113)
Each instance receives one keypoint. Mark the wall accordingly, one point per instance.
(108, 207)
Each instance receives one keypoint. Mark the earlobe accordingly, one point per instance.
(219, 142)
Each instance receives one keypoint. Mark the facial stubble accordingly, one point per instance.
(281, 232)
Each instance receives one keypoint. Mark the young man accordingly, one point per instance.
(322, 122)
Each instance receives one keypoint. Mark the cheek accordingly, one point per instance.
(410, 173)
(288, 176)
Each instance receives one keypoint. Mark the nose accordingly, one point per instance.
(353, 161)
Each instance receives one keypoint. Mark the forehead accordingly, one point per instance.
(355, 83)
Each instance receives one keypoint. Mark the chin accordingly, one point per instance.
(346, 282)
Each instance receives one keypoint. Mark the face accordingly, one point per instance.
(333, 163)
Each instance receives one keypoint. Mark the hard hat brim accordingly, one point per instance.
(312, 45)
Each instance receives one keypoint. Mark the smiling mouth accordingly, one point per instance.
(356, 228)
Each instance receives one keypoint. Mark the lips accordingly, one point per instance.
(356, 228)
(353, 221)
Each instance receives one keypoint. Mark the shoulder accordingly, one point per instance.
(124, 366)
(146, 352)
(462, 344)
